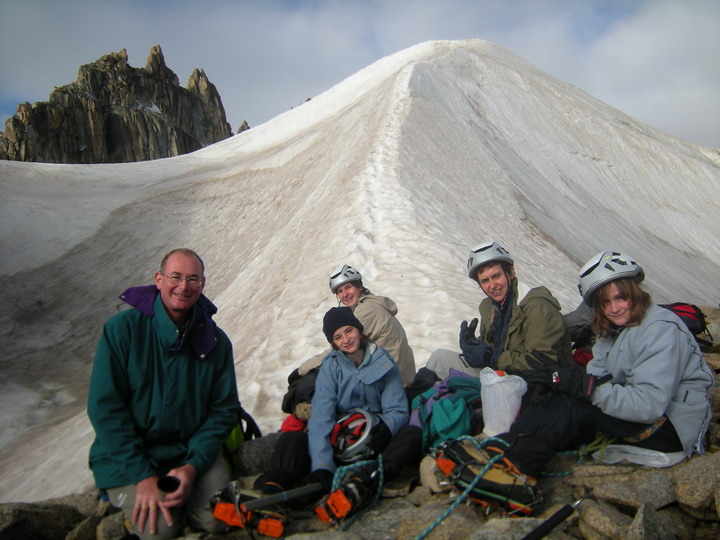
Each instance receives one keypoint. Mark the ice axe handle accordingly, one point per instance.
(283, 496)
(553, 521)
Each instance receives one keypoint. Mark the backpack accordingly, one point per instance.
(301, 389)
(245, 430)
(694, 319)
(447, 410)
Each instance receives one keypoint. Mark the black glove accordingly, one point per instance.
(324, 477)
(476, 352)
(568, 379)
(380, 437)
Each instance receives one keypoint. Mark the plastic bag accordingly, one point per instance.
(501, 395)
(615, 453)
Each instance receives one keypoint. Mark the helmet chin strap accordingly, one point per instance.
(510, 288)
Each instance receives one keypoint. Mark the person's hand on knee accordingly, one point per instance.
(147, 503)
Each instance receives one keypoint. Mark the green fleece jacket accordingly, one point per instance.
(535, 324)
(153, 410)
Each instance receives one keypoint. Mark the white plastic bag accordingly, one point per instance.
(501, 395)
(615, 453)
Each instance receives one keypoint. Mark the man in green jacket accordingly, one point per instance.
(516, 321)
(162, 400)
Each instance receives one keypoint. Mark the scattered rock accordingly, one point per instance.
(713, 360)
(629, 488)
(648, 525)
(679, 523)
(696, 482)
(255, 455)
(41, 521)
(621, 501)
(600, 520)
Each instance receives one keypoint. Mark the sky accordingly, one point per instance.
(397, 171)
(653, 59)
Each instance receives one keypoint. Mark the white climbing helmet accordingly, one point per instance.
(485, 253)
(350, 436)
(603, 268)
(343, 274)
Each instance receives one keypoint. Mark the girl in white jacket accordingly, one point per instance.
(658, 376)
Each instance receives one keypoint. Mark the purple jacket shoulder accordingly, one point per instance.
(202, 334)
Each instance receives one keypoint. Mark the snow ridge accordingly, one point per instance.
(398, 170)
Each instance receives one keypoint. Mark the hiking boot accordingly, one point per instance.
(269, 483)
(501, 482)
(355, 493)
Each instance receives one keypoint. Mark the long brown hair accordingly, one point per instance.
(628, 288)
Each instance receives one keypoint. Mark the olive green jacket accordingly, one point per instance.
(535, 324)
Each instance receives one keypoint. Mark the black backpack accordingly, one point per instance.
(694, 319)
(245, 430)
(301, 389)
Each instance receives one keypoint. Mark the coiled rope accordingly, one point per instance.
(600, 444)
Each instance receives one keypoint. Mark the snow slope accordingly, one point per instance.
(398, 170)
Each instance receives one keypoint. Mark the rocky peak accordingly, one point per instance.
(157, 69)
(115, 113)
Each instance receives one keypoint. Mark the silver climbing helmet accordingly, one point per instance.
(350, 436)
(603, 268)
(486, 253)
(343, 274)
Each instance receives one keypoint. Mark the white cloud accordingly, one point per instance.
(673, 45)
(653, 59)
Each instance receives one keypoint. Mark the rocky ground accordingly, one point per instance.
(624, 501)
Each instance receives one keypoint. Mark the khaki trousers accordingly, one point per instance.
(196, 512)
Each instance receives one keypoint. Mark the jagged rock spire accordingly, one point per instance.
(115, 113)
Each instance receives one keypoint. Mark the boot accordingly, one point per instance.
(502, 483)
(355, 494)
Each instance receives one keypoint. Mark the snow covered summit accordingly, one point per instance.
(398, 170)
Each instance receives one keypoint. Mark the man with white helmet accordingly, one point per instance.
(516, 320)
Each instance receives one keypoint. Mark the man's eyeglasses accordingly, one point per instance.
(175, 279)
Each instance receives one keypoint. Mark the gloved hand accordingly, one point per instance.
(568, 379)
(323, 476)
(477, 353)
(380, 437)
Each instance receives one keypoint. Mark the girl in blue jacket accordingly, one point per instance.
(357, 374)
